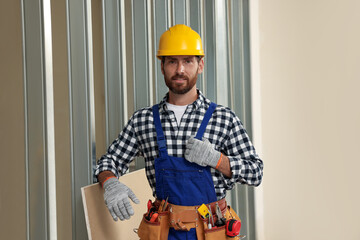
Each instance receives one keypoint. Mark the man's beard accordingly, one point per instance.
(179, 89)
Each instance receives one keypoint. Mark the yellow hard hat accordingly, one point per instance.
(180, 40)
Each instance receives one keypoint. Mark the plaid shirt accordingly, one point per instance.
(224, 130)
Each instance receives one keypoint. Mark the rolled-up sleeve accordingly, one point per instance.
(246, 165)
(120, 153)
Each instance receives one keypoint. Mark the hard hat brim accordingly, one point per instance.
(161, 54)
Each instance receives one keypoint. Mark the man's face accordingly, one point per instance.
(181, 72)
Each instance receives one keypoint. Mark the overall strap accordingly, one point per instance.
(160, 138)
(205, 121)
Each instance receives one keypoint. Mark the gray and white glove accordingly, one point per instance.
(201, 152)
(116, 198)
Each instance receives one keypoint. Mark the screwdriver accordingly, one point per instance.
(209, 224)
(220, 218)
(161, 207)
(211, 216)
(165, 204)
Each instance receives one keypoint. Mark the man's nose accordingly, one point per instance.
(180, 68)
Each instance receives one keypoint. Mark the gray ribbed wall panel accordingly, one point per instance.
(194, 14)
(113, 66)
(34, 121)
(221, 29)
(81, 107)
(39, 120)
(209, 42)
(161, 23)
(239, 59)
(140, 52)
(179, 12)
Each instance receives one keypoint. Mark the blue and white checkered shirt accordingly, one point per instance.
(224, 130)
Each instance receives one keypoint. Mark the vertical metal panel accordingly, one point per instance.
(49, 122)
(170, 13)
(250, 208)
(61, 116)
(245, 37)
(39, 121)
(210, 54)
(113, 69)
(150, 33)
(161, 25)
(242, 196)
(129, 29)
(221, 56)
(124, 64)
(241, 61)
(195, 15)
(237, 59)
(90, 90)
(34, 125)
(140, 49)
(179, 12)
(194, 9)
(81, 107)
(142, 75)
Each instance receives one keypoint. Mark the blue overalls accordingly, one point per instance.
(183, 182)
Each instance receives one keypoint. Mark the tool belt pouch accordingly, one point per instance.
(157, 230)
(217, 233)
(183, 220)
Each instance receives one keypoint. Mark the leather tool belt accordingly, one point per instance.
(184, 218)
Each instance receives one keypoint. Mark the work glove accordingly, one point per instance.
(116, 198)
(201, 152)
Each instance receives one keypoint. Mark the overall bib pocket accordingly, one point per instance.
(180, 186)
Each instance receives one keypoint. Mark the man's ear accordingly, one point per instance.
(201, 66)
(162, 67)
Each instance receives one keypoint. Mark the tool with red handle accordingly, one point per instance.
(154, 216)
(151, 215)
(149, 205)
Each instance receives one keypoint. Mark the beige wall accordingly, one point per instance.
(309, 58)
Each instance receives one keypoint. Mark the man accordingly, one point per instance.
(194, 150)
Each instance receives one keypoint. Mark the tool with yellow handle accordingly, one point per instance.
(203, 211)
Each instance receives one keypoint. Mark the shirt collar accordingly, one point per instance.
(195, 105)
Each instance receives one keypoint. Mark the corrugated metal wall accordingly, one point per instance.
(87, 65)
